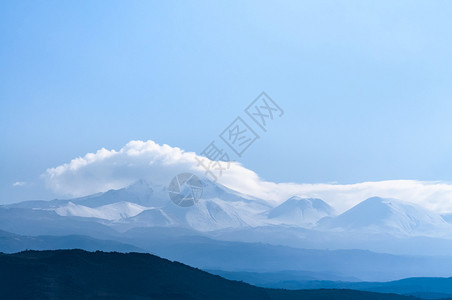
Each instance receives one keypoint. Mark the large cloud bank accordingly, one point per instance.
(111, 169)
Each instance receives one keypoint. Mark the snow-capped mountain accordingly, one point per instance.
(114, 211)
(220, 212)
(300, 211)
(140, 192)
(223, 224)
(146, 205)
(383, 215)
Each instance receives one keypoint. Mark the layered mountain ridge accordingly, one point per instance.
(377, 224)
(220, 208)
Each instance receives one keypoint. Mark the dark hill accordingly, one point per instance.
(77, 274)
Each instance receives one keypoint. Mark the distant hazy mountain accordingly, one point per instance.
(35, 221)
(206, 253)
(76, 274)
(229, 229)
(220, 208)
(188, 247)
(427, 288)
(11, 243)
(391, 216)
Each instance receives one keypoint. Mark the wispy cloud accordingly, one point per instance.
(18, 183)
(111, 169)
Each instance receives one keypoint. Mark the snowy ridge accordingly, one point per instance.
(300, 211)
(391, 216)
(115, 211)
(143, 205)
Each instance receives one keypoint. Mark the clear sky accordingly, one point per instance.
(366, 86)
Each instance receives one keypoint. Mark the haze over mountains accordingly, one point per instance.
(227, 230)
(115, 169)
(75, 274)
(391, 216)
(145, 205)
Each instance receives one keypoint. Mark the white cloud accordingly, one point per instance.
(19, 183)
(110, 169)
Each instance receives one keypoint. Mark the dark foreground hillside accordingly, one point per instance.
(77, 274)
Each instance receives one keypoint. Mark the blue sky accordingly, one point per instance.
(365, 86)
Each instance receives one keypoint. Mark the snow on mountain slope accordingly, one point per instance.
(300, 211)
(215, 190)
(152, 217)
(219, 208)
(113, 211)
(144, 205)
(215, 213)
(212, 215)
(380, 215)
(206, 215)
(140, 192)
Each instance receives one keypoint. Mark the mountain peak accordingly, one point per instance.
(301, 211)
(388, 215)
(140, 184)
(381, 200)
(316, 203)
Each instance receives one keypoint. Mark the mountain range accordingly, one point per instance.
(76, 274)
(145, 205)
(377, 240)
